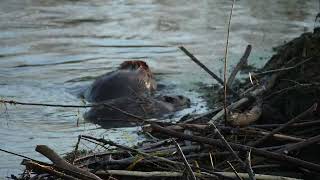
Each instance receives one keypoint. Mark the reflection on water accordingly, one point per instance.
(49, 49)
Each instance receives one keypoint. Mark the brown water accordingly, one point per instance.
(50, 49)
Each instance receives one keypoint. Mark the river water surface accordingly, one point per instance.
(49, 49)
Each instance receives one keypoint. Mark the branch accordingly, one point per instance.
(194, 59)
(243, 61)
(61, 163)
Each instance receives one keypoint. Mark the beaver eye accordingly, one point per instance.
(180, 97)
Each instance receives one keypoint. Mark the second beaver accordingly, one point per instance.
(132, 78)
(118, 112)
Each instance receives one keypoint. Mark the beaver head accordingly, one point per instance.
(144, 70)
(134, 65)
(175, 102)
(131, 78)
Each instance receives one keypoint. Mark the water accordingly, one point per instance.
(49, 49)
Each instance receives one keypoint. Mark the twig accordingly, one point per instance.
(227, 145)
(194, 59)
(302, 144)
(234, 170)
(19, 155)
(191, 173)
(302, 124)
(283, 69)
(72, 106)
(225, 65)
(243, 61)
(258, 176)
(249, 163)
(75, 150)
(211, 161)
(303, 114)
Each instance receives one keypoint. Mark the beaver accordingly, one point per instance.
(132, 78)
(145, 107)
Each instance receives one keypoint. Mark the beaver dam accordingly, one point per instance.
(269, 130)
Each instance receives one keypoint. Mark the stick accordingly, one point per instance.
(243, 61)
(258, 176)
(225, 66)
(194, 59)
(302, 144)
(227, 145)
(61, 163)
(19, 155)
(302, 124)
(234, 171)
(72, 106)
(179, 174)
(303, 114)
(139, 173)
(47, 169)
(75, 150)
(191, 173)
(284, 68)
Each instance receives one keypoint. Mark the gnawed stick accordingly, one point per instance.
(61, 163)
(275, 156)
(243, 61)
(245, 118)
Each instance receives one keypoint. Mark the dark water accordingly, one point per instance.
(49, 49)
